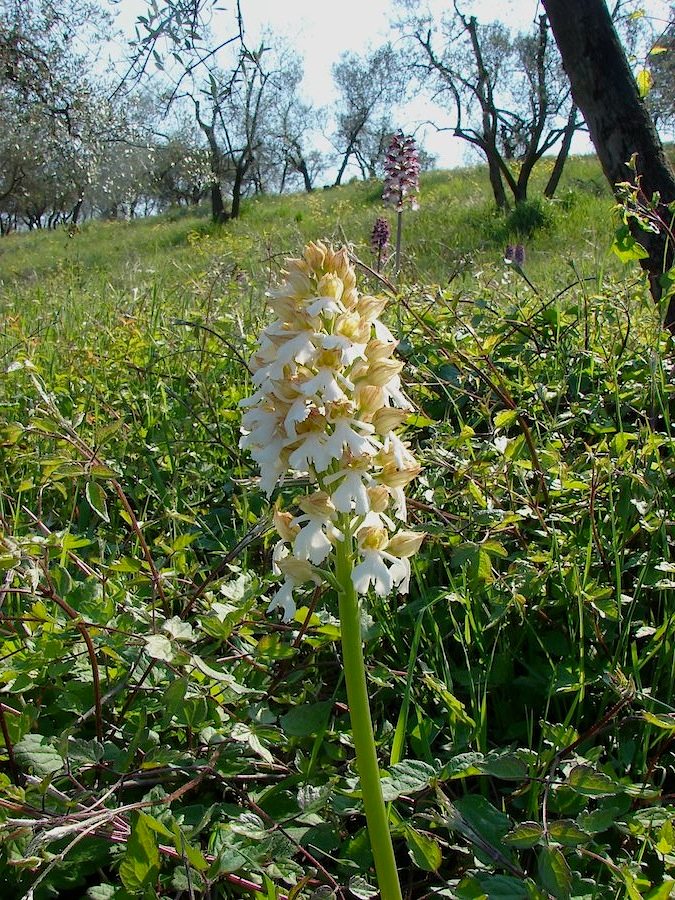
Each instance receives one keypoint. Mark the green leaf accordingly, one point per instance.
(645, 81)
(626, 247)
(36, 752)
(567, 832)
(362, 888)
(306, 719)
(505, 418)
(664, 721)
(480, 569)
(554, 873)
(487, 820)
(139, 868)
(504, 765)
(424, 851)
(527, 834)
(407, 777)
(96, 498)
(661, 891)
(193, 855)
(589, 783)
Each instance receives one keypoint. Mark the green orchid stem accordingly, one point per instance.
(362, 726)
(399, 228)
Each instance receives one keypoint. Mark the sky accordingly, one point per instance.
(321, 31)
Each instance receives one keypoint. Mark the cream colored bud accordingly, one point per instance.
(387, 418)
(300, 570)
(394, 477)
(330, 286)
(283, 522)
(298, 280)
(405, 543)
(377, 349)
(317, 505)
(382, 371)
(378, 497)
(369, 399)
(370, 307)
(315, 254)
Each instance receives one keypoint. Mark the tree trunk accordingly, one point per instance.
(618, 121)
(563, 153)
(302, 168)
(496, 180)
(236, 191)
(218, 213)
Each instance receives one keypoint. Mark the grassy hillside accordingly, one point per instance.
(162, 735)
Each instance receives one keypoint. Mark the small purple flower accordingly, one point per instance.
(379, 240)
(515, 253)
(402, 172)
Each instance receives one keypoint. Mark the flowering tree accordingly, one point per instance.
(327, 402)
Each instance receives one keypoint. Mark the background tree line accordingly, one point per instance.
(195, 117)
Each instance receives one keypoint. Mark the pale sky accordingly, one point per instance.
(321, 31)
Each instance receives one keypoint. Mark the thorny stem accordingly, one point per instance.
(362, 726)
(11, 759)
(91, 651)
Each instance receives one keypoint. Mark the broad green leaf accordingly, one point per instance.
(42, 424)
(477, 495)
(494, 887)
(483, 817)
(599, 820)
(526, 834)
(424, 850)
(480, 569)
(407, 777)
(554, 873)
(306, 719)
(36, 752)
(139, 868)
(590, 783)
(96, 498)
(505, 418)
(567, 832)
(508, 766)
(626, 247)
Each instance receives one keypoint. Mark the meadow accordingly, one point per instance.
(164, 736)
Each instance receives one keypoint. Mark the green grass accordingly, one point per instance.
(522, 694)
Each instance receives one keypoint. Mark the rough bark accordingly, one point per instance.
(563, 153)
(618, 121)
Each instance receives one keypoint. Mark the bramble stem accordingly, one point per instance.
(362, 727)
